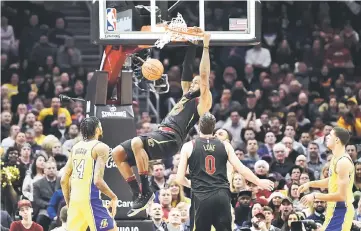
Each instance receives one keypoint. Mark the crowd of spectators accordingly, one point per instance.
(279, 100)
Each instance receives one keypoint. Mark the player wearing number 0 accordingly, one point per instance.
(167, 140)
(207, 157)
(340, 210)
(84, 172)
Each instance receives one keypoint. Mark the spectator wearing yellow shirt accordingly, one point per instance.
(39, 136)
(13, 85)
(177, 194)
(352, 119)
(49, 116)
(38, 80)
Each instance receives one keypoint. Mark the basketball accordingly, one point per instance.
(152, 69)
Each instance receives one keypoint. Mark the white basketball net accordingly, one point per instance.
(174, 32)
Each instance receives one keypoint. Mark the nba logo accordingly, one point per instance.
(111, 19)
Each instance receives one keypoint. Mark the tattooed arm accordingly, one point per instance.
(65, 180)
(101, 153)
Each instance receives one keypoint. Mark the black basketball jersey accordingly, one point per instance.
(208, 166)
(183, 116)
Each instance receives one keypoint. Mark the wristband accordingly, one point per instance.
(206, 48)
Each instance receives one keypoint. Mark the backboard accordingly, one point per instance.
(124, 22)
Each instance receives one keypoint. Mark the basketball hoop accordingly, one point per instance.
(177, 31)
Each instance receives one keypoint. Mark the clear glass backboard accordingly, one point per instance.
(136, 22)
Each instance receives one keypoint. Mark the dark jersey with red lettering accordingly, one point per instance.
(183, 116)
(208, 166)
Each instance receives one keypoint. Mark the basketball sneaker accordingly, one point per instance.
(141, 203)
(131, 212)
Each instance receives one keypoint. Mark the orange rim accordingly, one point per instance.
(164, 28)
(190, 31)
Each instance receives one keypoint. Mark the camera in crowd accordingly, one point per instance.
(308, 225)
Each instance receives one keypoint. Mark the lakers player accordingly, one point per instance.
(340, 210)
(84, 173)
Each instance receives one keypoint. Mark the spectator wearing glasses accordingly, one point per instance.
(291, 132)
(304, 178)
(319, 210)
(280, 165)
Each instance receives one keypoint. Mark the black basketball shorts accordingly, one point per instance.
(158, 145)
(212, 210)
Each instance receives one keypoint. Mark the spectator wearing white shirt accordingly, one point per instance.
(63, 218)
(34, 174)
(258, 57)
(10, 141)
(174, 219)
(8, 43)
(234, 126)
(321, 141)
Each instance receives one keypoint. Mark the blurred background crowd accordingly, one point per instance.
(278, 100)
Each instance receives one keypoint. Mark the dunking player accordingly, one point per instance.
(340, 210)
(84, 171)
(169, 137)
(207, 158)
